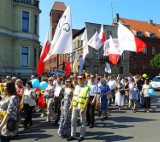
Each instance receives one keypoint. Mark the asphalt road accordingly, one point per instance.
(121, 126)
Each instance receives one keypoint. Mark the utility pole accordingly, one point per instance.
(112, 9)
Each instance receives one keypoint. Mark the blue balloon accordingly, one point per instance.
(43, 85)
(151, 92)
(35, 83)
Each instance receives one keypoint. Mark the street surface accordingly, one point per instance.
(121, 126)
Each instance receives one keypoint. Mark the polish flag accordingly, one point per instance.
(44, 52)
(102, 35)
(128, 41)
(114, 53)
(67, 69)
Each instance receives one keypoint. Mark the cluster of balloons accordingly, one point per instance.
(36, 84)
(151, 92)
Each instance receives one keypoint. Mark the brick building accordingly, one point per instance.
(149, 32)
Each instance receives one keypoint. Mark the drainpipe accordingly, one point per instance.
(12, 36)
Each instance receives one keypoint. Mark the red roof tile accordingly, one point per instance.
(142, 26)
(59, 6)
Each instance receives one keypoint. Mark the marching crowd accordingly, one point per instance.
(65, 100)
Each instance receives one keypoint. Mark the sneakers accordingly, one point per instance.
(148, 111)
(43, 114)
(71, 138)
(48, 120)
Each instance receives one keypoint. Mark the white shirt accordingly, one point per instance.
(93, 88)
(27, 97)
(145, 90)
(112, 84)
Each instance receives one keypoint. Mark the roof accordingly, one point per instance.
(75, 31)
(142, 26)
(59, 6)
(78, 33)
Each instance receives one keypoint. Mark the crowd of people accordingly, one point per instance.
(67, 99)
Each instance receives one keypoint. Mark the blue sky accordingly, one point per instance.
(100, 11)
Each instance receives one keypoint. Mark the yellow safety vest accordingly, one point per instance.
(0, 88)
(80, 98)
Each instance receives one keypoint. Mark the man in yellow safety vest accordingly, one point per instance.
(78, 107)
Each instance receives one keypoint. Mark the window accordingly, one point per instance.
(96, 30)
(139, 34)
(25, 21)
(27, 1)
(122, 56)
(108, 35)
(153, 51)
(35, 24)
(24, 57)
(35, 57)
(111, 33)
(144, 67)
(135, 66)
(152, 35)
(96, 70)
(96, 55)
(145, 52)
(121, 70)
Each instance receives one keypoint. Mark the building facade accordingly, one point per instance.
(19, 37)
(95, 60)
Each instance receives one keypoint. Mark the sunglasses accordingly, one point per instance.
(80, 78)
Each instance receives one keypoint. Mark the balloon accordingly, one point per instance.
(43, 85)
(144, 75)
(151, 92)
(35, 83)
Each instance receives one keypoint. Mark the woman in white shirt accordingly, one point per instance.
(29, 103)
(147, 98)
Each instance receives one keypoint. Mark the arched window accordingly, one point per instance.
(153, 51)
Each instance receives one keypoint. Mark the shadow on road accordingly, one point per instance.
(106, 136)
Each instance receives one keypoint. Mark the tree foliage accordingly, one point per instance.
(155, 62)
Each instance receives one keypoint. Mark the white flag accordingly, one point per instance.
(62, 40)
(108, 68)
(85, 45)
(95, 41)
(107, 45)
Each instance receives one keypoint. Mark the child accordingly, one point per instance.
(134, 97)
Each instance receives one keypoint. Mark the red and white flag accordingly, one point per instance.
(67, 69)
(107, 45)
(95, 41)
(128, 41)
(44, 52)
(102, 35)
(114, 53)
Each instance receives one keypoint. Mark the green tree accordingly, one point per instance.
(155, 62)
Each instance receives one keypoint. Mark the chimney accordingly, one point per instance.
(116, 19)
(150, 22)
